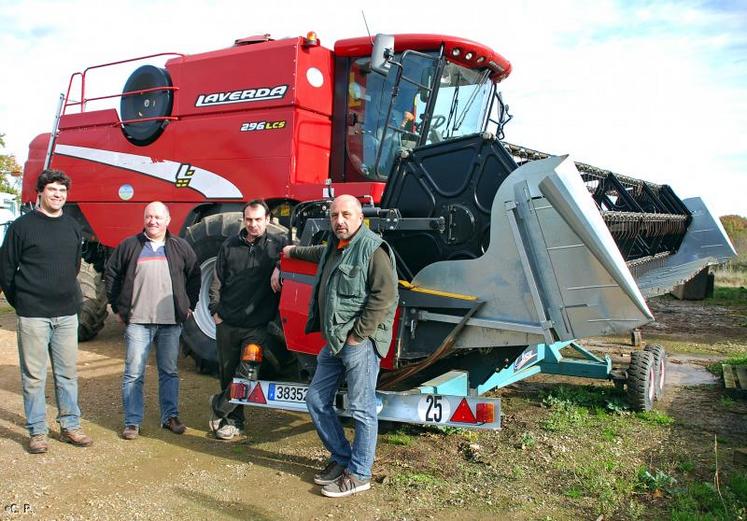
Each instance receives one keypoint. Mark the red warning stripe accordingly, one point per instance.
(463, 413)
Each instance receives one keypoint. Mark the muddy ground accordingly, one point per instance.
(527, 470)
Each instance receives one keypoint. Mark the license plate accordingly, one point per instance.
(287, 393)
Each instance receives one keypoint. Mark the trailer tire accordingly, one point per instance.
(641, 381)
(93, 312)
(198, 333)
(660, 368)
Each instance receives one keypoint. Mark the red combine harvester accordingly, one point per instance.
(506, 255)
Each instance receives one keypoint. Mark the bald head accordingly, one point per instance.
(156, 220)
(346, 216)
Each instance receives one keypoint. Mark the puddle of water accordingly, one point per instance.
(690, 374)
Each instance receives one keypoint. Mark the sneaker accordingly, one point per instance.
(76, 437)
(174, 425)
(131, 432)
(329, 474)
(38, 444)
(227, 432)
(346, 485)
(214, 421)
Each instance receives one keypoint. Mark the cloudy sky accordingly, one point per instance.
(655, 90)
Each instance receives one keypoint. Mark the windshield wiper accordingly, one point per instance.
(471, 99)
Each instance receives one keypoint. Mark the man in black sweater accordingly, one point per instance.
(244, 298)
(39, 263)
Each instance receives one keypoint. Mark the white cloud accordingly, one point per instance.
(651, 90)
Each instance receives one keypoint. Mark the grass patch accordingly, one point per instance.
(600, 476)
(417, 480)
(723, 348)
(686, 466)
(574, 406)
(6, 308)
(702, 502)
(716, 368)
(397, 438)
(655, 416)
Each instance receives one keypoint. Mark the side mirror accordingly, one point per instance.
(383, 50)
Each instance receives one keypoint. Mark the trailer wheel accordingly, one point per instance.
(198, 334)
(92, 314)
(660, 368)
(641, 381)
(145, 105)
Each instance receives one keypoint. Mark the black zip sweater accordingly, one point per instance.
(241, 293)
(39, 263)
(183, 268)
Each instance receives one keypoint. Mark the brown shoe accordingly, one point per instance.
(174, 425)
(131, 432)
(38, 444)
(76, 437)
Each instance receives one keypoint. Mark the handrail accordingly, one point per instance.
(83, 74)
(128, 93)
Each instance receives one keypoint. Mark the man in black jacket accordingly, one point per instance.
(244, 298)
(152, 283)
(39, 264)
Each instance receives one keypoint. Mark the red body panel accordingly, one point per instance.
(288, 159)
(427, 42)
(294, 311)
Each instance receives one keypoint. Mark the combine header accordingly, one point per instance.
(506, 255)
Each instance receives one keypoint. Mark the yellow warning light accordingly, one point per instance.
(311, 39)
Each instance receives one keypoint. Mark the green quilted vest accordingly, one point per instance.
(346, 293)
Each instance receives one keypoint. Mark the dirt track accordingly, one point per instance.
(268, 475)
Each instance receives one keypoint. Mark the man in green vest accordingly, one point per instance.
(353, 304)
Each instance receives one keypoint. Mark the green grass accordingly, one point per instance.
(731, 297)
(716, 368)
(655, 416)
(417, 480)
(573, 407)
(701, 501)
(598, 475)
(397, 438)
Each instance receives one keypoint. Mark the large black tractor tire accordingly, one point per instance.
(92, 314)
(660, 368)
(198, 334)
(641, 381)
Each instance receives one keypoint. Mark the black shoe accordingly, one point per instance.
(329, 474)
(174, 425)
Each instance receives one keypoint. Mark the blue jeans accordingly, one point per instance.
(138, 340)
(41, 339)
(359, 365)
